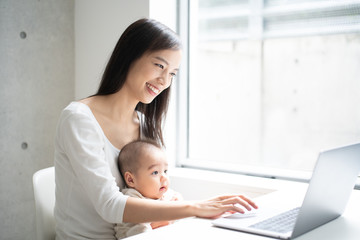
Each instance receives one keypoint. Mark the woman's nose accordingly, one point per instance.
(165, 79)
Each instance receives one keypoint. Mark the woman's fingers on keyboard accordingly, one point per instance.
(240, 202)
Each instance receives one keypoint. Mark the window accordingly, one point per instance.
(267, 84)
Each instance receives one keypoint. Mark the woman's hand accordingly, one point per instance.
(217, 206)
(146, 210)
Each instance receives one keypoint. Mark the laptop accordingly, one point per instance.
(329, 190)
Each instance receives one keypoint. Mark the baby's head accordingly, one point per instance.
(143, 165)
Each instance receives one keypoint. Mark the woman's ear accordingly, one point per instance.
(129, 179)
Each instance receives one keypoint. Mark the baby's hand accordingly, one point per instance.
(155, 225)
(171, 195)
(176, 197)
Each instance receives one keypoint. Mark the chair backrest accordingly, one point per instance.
(44, 194)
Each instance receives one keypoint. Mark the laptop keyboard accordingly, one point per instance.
(282, 223)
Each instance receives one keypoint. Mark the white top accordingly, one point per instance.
(88, 197)
(124, 230)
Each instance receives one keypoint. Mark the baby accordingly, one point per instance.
(143, 166)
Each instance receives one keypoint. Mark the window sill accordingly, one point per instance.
(257, 171)
(263, 174)
(196, 184)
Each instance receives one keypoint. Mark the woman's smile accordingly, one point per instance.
(152, 89)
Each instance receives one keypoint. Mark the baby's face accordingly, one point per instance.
(151, 179)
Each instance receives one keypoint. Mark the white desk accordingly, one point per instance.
(346, 227)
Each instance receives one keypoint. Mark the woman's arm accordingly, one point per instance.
(80, 140)
(144, 210)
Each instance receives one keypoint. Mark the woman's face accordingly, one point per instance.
(152, 73)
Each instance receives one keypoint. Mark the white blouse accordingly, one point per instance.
(88, 183)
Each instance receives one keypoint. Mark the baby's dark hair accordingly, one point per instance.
(130, 154)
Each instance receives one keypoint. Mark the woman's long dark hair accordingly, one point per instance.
(142, 36)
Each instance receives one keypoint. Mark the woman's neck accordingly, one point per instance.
(117, 117)
(117, 107)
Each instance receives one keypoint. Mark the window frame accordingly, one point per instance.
(182, 160)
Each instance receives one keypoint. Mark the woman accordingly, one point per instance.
(130, 104)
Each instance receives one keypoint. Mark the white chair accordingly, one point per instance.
(44, 194)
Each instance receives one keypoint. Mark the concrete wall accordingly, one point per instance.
(51, 52)
(37, 81)
(98, 26)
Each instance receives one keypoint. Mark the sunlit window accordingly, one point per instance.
(268, 83)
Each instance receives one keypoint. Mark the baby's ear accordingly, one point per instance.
(129, 179)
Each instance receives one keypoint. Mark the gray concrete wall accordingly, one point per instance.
(36, 82)
(98, 26)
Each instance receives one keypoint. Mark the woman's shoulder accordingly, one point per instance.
(77, 120)
(76, 108)
(76, 113)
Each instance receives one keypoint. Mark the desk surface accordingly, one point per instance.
(346, 227)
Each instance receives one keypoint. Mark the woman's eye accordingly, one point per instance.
(173, 75)
(159, 65)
